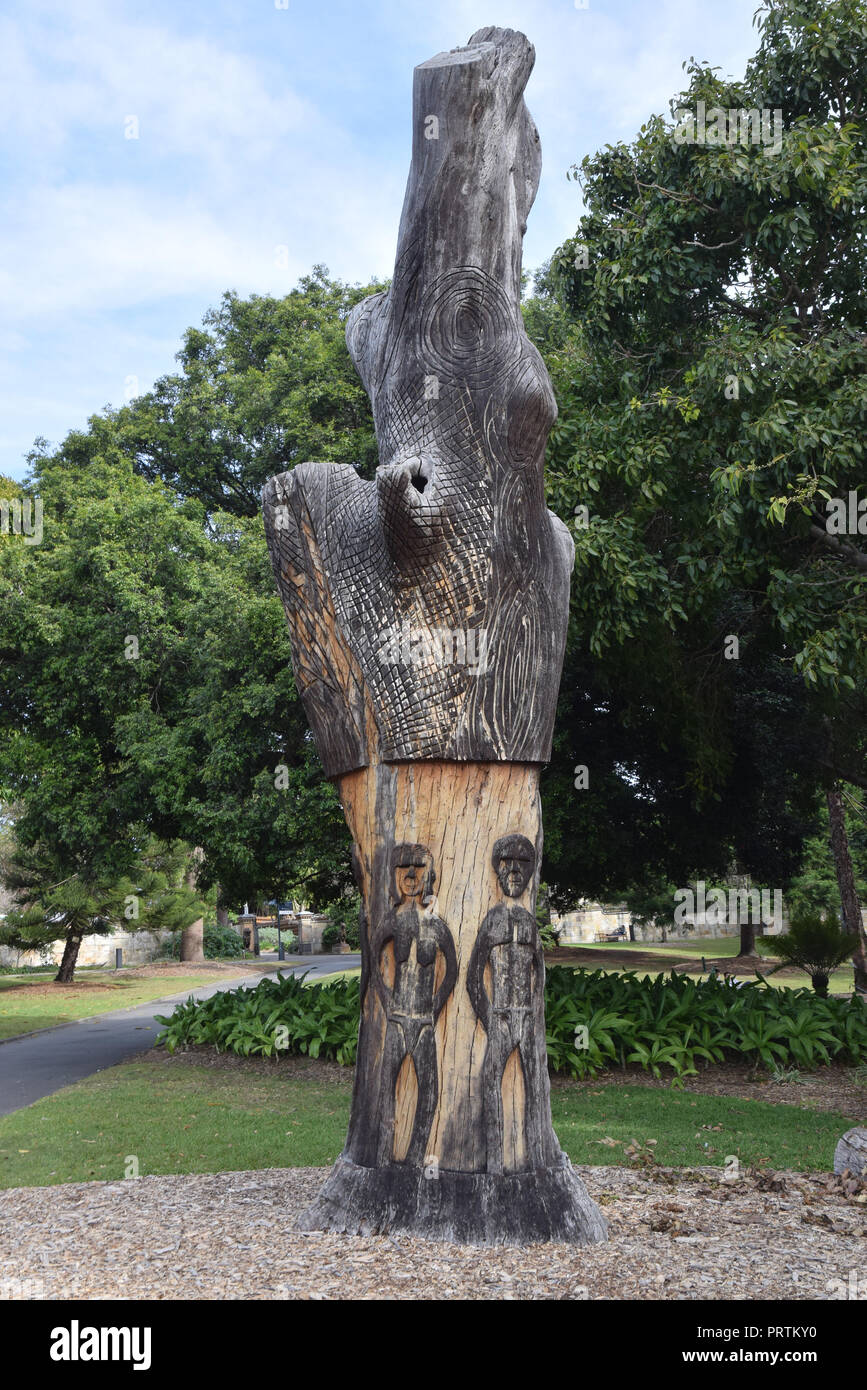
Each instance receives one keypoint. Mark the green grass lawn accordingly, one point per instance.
(27, 1004)
(191, 1118)
(842, 980)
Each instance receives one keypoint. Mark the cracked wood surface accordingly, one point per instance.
(427, 612)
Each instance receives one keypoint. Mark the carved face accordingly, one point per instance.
(514, 860)
(412, 866)
(409, 880)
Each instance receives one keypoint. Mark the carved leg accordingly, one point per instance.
(497, 1055)
(425, 1058)
(393, 1057)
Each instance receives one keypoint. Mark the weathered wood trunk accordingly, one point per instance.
(428, 614)
(193, 936)
(747, 945)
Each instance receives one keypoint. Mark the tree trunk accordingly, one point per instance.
(451, 1121)
(193, 941)
(427, 613)
(71, 948)
(193, 936)
(748, 936)
(222, 915)
(852, 920)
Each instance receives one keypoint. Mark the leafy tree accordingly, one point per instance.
(344, 921)
(219, 943)
(145, 676)
(48, 908)
(815, 886)
(265, 383)
(705, 330)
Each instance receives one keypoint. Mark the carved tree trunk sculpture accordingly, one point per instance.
(427, 612)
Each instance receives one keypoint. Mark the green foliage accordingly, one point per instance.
(710, 365)
(666, 1024)
(268, 939)
(48, 907)
(264, 384)
(220, 943)
(185, 730)
(548, 934)
(814, 944)
(344, 921)
(549, 937)
(675, 1023)
(815, 886)
(319, 1021)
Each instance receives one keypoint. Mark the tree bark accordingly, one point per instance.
(852, 919)
(427, 613)
(71, 948)
(451, 1121)
(193, 941)
(748, 937)
(193, 936)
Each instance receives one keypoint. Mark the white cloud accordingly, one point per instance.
(106, 242)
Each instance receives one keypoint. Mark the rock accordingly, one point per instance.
(851, 1152)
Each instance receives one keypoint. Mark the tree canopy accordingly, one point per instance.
(705, 332)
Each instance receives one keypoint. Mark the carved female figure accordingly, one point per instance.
(411, 1002)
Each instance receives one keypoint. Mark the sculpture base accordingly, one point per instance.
(546, 1204)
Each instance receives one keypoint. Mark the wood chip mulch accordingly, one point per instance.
(674, 1234)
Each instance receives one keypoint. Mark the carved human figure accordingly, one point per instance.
(512, 1015)
(411, 1002)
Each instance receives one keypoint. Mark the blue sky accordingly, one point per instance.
(260, 128)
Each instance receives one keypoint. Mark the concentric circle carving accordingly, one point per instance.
(467, 328)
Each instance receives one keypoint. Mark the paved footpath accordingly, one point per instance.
(35, 1066)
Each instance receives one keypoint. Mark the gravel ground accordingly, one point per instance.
(675, 1234)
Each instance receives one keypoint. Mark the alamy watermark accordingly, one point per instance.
(847, 516)
(436, 646)
(737, 126)
(735, 905)
(22, 516)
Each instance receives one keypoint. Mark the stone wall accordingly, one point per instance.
(308, 929)
(138, 949)
(596, 921)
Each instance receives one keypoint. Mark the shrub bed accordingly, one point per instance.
(594, 1021)
(218, 943)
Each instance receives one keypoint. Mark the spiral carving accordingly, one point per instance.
(468, 330)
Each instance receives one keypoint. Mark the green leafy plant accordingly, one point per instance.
(343, 922)
(280, 1015)
(666, 1024)
(813, 944)
(220, 943)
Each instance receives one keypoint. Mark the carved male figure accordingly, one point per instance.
(411, 1002)
(512, 1016)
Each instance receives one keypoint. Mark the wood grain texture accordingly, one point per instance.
(427, 612)
(451, 1081)
(453, 537)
